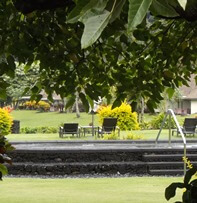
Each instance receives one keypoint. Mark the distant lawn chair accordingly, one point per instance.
(189, 127)
(69, 128)
(109, 126)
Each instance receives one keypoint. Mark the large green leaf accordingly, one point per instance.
(84, 101)
(189, 174)
(11, 62)
(95, 22)
(3, 94)
(186, 196)
(171, 190)
(151, 106)
(75, 14)
(6, 159)
(194, 182)
(93, 6)
(8, 146)
(3, 169)
(83, 7)
(137, 12)
(117, 9)
(117, 103)
(91, 102)
(170, 92)
(183, 3)
(95, 18)
(162, 8)
(70, 101)
(38, 97)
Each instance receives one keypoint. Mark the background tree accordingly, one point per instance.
(24, 78)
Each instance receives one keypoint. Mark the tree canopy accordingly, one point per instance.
(137, 46)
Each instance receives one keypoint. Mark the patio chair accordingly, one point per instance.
(189, 127)
(109, 126)
(69, 128)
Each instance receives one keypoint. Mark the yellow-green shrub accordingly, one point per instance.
(5, 122)
(158, 120)
(30, 105)
(43, 106)
(132, 136)
(127, 120)
(112, 136)
(5, 128)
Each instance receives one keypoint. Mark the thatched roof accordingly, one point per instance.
(55, 96)
(44, 97)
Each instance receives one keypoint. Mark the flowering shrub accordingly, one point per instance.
(5, 127)
(187, 162)
(9, 109)
(126, 120)
(30, 105)
(5, 122)
(43, 106)
(33, 105)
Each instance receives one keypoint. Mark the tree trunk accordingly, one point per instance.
(15, 104)
(77, 105)
(142, 111)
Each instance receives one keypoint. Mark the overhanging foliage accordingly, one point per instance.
(158, 53)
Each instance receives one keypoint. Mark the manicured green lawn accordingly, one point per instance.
(44, 137)
(147, 135)
(54, 119)
(31, 118)
(80, 190)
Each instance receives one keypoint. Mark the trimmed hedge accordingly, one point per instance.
(34, 130)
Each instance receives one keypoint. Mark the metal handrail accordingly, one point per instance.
(170, 113)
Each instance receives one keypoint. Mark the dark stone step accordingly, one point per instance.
(167, 172)
(75, 156)
(91, 156)
(167, 165)
(168, 157)
(61, 169)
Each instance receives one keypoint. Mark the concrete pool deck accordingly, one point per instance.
(102, 145)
